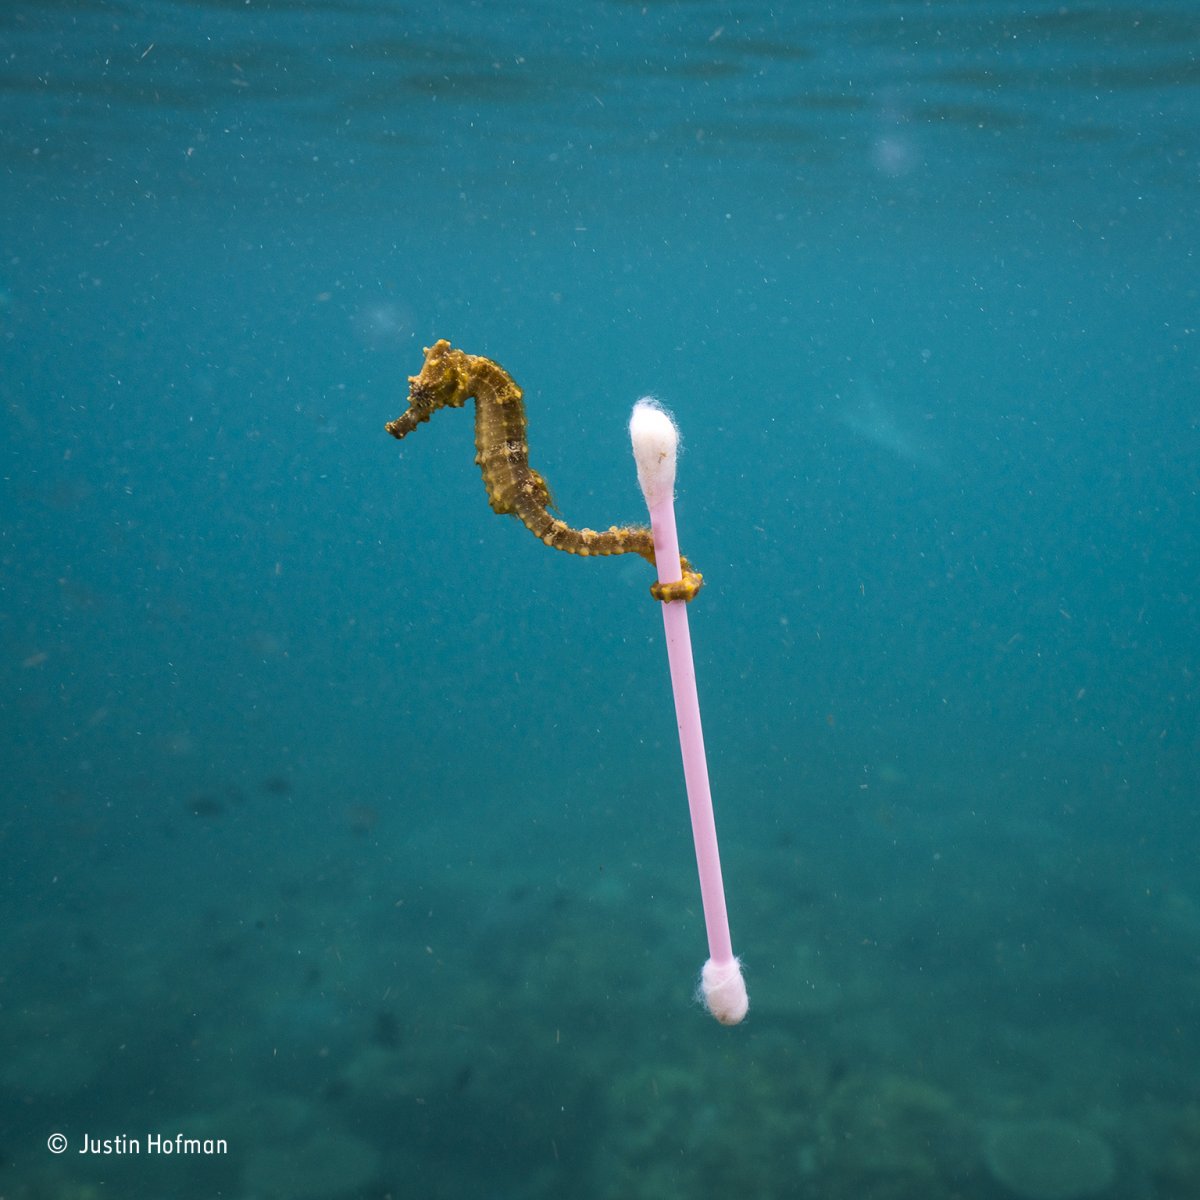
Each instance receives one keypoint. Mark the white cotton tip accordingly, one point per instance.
(724, 991)
(655, 447)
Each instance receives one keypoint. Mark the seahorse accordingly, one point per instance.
(449, 379)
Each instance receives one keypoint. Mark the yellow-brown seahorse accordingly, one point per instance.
(449, 379)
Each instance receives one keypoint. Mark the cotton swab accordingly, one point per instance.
(655, 448)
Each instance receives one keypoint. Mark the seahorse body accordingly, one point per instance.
(449, 379)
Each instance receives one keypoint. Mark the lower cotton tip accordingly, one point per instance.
(724, 991)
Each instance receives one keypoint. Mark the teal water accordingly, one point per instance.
(342, 821)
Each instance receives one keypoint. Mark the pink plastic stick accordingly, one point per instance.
(721, 984)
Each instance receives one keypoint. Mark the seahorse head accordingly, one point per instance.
(442, 383)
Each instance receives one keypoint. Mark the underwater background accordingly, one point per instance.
(344, 823)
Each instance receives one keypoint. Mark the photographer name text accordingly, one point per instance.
(152, 1143)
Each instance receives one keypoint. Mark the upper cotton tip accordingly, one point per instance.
(655, 448)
